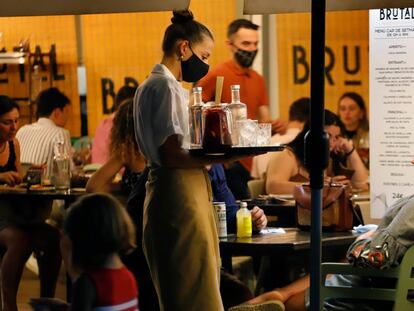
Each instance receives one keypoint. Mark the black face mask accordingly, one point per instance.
(193, 69)
(245, 58)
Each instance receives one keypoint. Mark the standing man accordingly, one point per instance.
(37, 140)
(242, 40)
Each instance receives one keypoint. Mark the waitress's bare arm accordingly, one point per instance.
(172, 155)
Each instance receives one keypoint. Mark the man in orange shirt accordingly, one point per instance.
(242, 40)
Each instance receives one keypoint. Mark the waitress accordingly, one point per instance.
(180, 235)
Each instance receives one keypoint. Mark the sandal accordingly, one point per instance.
(271, 305)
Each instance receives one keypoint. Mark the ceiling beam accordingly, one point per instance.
(291, 6)
(73, 7)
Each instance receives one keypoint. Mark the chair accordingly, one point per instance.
(404, 274)
(82, 142)
(256, 187)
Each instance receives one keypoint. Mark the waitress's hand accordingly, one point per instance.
(259, 218)
(11, 178)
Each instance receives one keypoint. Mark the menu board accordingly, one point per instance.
(391, 71)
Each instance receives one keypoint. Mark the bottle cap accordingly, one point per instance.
(235, 87)
(243, 204)
(197, 89)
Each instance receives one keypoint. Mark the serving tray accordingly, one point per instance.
(232, 151)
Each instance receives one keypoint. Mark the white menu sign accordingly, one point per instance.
(391, 70)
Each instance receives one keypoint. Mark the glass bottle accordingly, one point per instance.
(237, 108)
(238, 111)
(244, 221)
(61, 167)
(196, 117)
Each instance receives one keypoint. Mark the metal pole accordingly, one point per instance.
(317, 145)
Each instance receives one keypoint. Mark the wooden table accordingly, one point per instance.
(68, 197)
(271, 244)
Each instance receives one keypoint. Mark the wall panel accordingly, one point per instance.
(43, 32)
(116, 46)
(346, 33)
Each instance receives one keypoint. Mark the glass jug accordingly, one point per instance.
(217, 126)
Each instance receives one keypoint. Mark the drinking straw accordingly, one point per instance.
(219, 89)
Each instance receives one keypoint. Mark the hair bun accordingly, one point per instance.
(182, 17)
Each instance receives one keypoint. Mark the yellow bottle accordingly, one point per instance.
(244, 221)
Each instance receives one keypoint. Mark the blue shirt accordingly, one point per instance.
(222, 193)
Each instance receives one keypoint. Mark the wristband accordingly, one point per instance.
(349, 153)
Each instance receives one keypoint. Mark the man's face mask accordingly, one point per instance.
(193, 69)
(245, 58)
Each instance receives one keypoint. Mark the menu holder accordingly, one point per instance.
(235, 151)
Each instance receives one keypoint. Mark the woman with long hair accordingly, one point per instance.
(353, 114)
(287, 168)
(124, 154)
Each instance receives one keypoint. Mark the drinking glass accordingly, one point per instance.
(247, 132)
(264, 134)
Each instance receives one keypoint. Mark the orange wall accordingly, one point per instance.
(44, 31)
(343, 29)
(128, 45)
(116, 46)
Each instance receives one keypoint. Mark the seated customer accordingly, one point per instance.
(38, 140)
(22, 226)
(298, 116)
(353, 114)
(379, 249)
(286, 169)
(124, 154)
(100, 147)
(222, 193)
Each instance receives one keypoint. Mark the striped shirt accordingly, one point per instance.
(37, 142)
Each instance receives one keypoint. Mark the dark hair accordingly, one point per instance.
(240, 23)
(98, 226)
(300, 110)
(183, 27)
(7, 104)
(124, 93)
(298, 144)
(364, 124)
(122, 140)
(49, 100)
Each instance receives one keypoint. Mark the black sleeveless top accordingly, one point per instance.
(11, 162)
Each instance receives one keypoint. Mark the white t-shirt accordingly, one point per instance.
(160, 110)
(260, 162)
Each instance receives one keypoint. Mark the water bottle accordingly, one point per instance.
(244, 221)
(61, 168)
(196, 126)
(238, 111)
